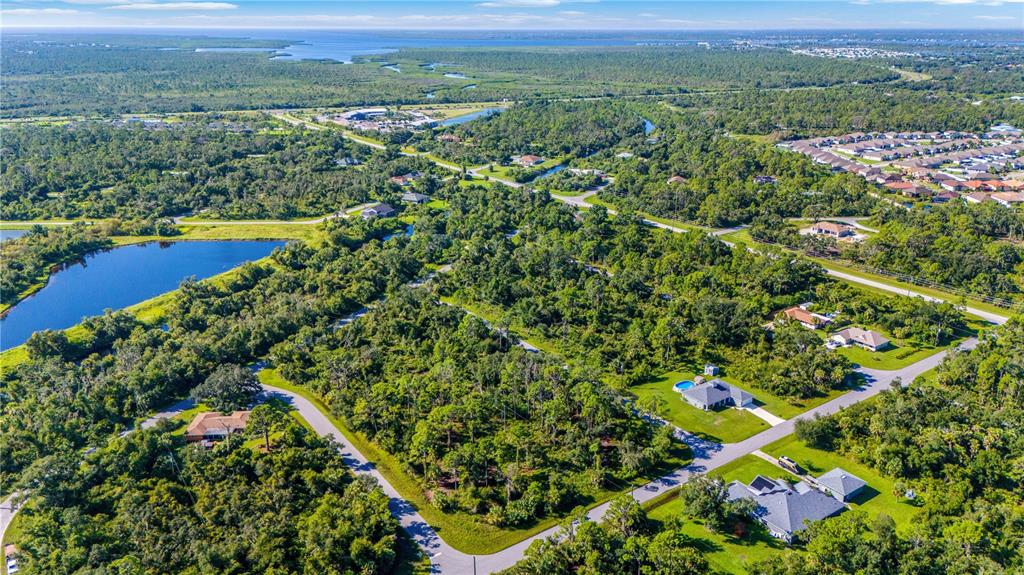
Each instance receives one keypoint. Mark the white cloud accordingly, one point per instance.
(38, 11)
(175, 6)
(987, 17)
(571, 13)
(519, 4)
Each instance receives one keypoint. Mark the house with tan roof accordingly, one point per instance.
(1008, 199)
(868, 339)
(832, 229)
(528, 160)
(211, 426)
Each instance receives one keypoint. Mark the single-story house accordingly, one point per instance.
(212, 426)
(944, 196)
(676, 180)
(415, 198)
(528, 160)
(977, 197)
(624, 155)
(842, 484)
(378, 211)
(764, 180)
(868, 339)
(784, 509)
(716, 393)
(832, 229)
(406, 179)
(806, 318)
(951, 185)
(1008, 198)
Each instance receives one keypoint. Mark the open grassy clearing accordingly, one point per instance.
(463, 531)
(492, 314)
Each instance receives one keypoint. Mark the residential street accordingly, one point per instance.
(707, 456)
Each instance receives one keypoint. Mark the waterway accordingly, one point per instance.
(469, 117)
(120, 277)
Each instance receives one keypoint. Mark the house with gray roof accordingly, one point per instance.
(378, 211)
(785, 509)
(842, 484)
(716, 393)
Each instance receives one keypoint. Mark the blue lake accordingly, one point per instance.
(121, 277)
(11, 234)
(468, 117)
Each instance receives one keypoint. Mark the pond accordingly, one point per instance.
(648, 126)
(550, 171)
(11, 234)
(121, 277)
(469, 117)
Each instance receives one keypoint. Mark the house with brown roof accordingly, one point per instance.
(868, 339)
(944, 196)
(211, 426)
(676, 180)
(806, 318)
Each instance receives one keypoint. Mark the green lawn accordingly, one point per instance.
(463, 531)
(728, 425)
(896, 356)
(723, 426)
(724, 552)
(878, 496)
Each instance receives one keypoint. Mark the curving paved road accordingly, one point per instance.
(707, 456)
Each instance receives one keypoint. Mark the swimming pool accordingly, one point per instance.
(683, 385)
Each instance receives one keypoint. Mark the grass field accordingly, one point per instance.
(463, 531)
(878, 496)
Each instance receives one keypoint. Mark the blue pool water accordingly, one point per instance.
(683, 385)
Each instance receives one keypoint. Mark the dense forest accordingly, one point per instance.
(696, 174)
(803, 113)
(656, 69)
(71, 394)
(548, 129)
(71, 74)
(957, 443)
(969, 248)
(145, 503)
(230, 167)
(973, 247)
(489, 428)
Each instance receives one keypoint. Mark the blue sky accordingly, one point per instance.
(518, 14)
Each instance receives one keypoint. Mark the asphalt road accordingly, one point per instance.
(707, 456)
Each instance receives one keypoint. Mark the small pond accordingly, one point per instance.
(11, 234)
